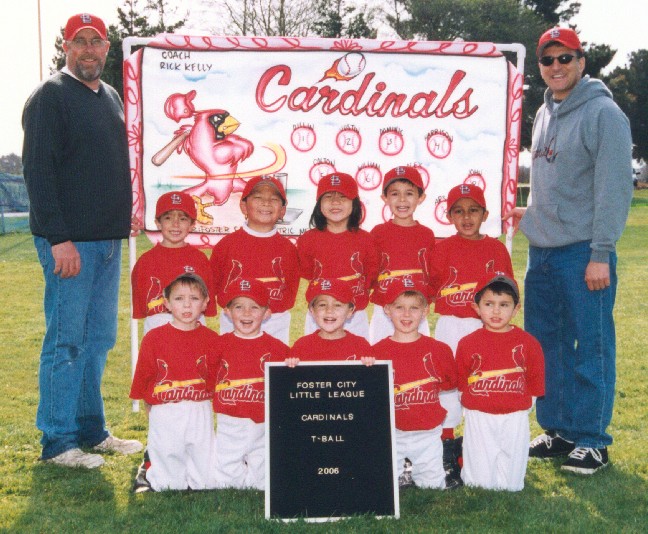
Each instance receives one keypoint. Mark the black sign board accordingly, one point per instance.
(329, 441)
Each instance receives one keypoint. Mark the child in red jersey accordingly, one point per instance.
(331, 305)
(457, 264)
(423, 367)
(404, 245)
(501, 371)
(171, 377)
(336, 247)
(175, 215)
(258, 251)
(238, 381)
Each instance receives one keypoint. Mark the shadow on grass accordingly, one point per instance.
(64, 499)
(198, 511)
(552, 501)
(76, 500)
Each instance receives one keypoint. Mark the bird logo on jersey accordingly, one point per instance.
(387, 276)
(238, 390)
(415, 392)
(358, 269)
(155, 294)
(275, 293)
(235, 273)
(483, 383)
(457, 294)
(167, 390)
(155, 298)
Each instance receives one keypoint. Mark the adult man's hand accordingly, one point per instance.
(516, 214)
(136, 226)
(597, 275)
(67, 262)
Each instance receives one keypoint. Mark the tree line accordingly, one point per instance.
(497, 21)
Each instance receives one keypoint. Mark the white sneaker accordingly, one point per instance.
(77, 458)
(122, 446)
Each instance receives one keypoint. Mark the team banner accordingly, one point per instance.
(204, 114)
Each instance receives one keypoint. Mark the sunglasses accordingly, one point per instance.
(563, 59)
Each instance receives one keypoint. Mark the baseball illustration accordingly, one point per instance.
(351, 65)
(320, 168)
(476, 178)
(347, 67)
(386, 213)
(348, 140)
(391, 141)
(425, 175)
(440, 209)
(439, 144)
(368, 177)
(303, 137)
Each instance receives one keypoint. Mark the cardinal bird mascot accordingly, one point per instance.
(211, 145)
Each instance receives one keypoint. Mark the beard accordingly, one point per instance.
(90, 73)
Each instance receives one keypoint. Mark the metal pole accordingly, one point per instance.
(40, 44)
(127, 46)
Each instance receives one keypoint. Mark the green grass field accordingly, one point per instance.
(37, 497)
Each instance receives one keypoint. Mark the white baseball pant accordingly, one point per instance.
(424, 448)
(495, 449)
(182, 446)
(240, 462)
(450, 330)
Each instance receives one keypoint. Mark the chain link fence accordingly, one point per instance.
(14, 204)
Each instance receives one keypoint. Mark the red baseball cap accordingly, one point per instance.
(175, 200)
(250, 288)
(403, 173)
(565, 36)
(399, 286)
(338, 181)
(465, 191)
(491, 278)
(338, 289)
(79, 22)
(269, 180)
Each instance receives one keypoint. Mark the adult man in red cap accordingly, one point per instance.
(75, 157)
(581, 187)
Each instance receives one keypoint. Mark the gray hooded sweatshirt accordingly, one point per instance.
(581, 175)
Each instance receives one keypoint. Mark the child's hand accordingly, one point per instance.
(368, 360)
(292, 362)
(147, 407)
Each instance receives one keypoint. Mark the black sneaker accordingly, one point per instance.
(141, 484)
(586, 461)
(550, 445)
(452, 450)
(405, 479)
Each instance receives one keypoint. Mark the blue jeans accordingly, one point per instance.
(575, 327)
(81, 327)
